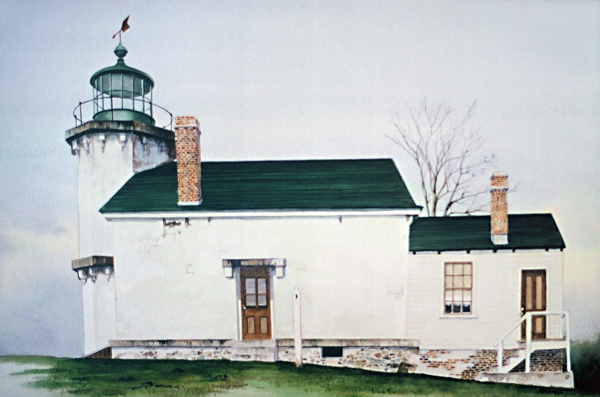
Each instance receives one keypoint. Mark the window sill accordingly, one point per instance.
(458, 316)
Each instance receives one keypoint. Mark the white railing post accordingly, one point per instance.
(551, 342)
(297, 328)
(568, 342)
(528, 342)
(500, 355)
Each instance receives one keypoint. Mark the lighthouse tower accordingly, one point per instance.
(115, 136)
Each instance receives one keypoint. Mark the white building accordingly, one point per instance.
(201, 260)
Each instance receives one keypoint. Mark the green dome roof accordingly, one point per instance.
(121, 68)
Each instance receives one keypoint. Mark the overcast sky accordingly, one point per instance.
(292, 80)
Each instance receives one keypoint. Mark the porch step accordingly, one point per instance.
(511, 362)
(544, 379)
(105, 352)
(254, 350)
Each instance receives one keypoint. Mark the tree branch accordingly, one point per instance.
(450, 155)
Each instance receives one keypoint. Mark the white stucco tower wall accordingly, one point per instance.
(108, 153)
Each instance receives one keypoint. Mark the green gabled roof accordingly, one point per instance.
(270, 185)
(463, 233)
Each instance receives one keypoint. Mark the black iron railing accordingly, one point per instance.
(112, 107)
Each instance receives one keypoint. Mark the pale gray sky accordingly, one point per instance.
(303, 79)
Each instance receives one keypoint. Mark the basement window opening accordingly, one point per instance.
(332, 351)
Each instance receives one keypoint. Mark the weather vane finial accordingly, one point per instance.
(124, 27)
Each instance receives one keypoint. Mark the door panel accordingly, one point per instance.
(256, 310)
(533, 299)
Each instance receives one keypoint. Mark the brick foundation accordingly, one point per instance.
(544, 361)
(463, 364)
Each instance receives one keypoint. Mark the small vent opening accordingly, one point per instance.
(332, 351)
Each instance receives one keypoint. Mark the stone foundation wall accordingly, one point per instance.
(381, 359)
(544, 361)
(175, 353)
(383, 355)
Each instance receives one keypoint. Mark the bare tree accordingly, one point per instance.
(450, 156)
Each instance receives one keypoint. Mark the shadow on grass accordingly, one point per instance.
(97, 377)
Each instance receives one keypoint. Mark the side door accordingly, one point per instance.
(533, 299)
(256, 311)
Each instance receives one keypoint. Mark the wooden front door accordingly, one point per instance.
(533, 299)
(256, 307)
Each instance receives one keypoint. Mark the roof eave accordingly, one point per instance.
(261, 213)
(491, 249)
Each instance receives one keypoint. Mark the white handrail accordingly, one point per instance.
(500, 344)
(528, 338)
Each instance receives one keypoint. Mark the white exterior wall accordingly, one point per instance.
(99, 313)
(352, 275)
(105, 163)
(496, 296)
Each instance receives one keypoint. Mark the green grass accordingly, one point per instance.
(95, 377)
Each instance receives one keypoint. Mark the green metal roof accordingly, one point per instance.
(463, 233)
(270, 185)
(121, 68)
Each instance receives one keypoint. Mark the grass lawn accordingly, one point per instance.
(95, 377)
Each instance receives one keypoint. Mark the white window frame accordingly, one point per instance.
(461, 287)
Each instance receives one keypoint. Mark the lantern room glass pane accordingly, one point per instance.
(116, 84)
(128, 86)
(106, 83)
(137, 87)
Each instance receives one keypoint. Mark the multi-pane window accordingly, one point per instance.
(256, 292)
(458, 287)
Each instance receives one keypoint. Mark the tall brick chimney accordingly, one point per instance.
(187, 151)
(499, 208)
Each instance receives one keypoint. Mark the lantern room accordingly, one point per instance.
(122, 93)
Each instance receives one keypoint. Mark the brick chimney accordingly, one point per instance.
(187, 151)
(499, 208)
